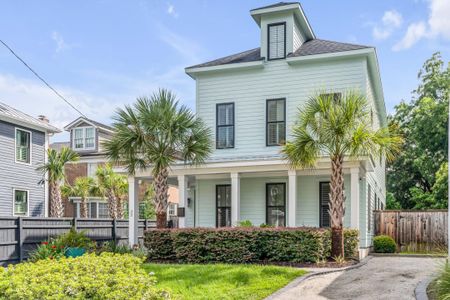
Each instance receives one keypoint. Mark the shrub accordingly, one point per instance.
(106, 276)
(245, 244)
(75, 239)
(245, 223)
(384, 244)
(441, 287)
(48, 250)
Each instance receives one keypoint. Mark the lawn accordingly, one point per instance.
(221, 281)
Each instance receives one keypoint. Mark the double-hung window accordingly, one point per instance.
(276, 204)
(276, 41)
(84, 138)
(20, 203)
(23, 146)
(225, 125)
(223, 205)
(276, 122)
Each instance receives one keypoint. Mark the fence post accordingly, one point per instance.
(114, 233)
(75, 224)
(20, 237)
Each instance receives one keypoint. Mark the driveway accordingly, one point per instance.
(379, 278)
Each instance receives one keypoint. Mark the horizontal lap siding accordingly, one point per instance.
(308, 200)
(20, 176)
(249, 90)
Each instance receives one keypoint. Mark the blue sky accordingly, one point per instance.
(103, 54)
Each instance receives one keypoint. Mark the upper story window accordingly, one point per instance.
(23, 146)
(276, 122)
(276, 41)
(84, 138)
(225, 126)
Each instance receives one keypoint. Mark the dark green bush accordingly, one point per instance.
(243, 245)
(384, 244)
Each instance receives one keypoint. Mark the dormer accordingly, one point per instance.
(86, 135)
(284, 28)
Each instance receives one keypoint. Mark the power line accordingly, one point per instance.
(42, 79)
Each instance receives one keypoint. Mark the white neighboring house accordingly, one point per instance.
(23, 147)
(250, 100)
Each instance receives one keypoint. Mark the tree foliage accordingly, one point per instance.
(416, 178)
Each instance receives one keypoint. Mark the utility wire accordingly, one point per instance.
(42, 79)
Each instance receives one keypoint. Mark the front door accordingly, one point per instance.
(223, 205)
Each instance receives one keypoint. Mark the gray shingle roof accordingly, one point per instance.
(95, 123)
(246, 56)
(316, 46)
(13, 115)
(276, 5)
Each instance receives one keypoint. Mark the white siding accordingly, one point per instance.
(298, 38)
(250, 89)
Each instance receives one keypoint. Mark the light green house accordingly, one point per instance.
(250, 101)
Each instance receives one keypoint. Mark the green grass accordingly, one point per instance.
(220, 281)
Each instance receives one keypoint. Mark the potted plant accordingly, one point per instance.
(76, 243)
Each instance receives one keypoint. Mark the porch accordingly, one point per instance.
(263, 192)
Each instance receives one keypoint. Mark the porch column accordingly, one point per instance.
(182, 199)
(133, 210)
(354, 194)
(235, 199)
(292, 197)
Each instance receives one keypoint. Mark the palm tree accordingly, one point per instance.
(120, 189)
(154, 133)
(106, 180)
(83, 187)
(337, 127)
(54, 167)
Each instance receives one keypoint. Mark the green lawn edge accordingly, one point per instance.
(221, 281)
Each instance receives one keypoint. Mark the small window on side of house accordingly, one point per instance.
(276, 45)
(21, 203)
(83, 138)
(23, 146)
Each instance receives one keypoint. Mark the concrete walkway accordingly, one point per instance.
(379, 278)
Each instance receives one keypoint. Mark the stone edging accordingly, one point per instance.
(408, 255)
(421, 289)
(301, 279)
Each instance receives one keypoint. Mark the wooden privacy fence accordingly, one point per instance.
(414, 230)
(19, 236)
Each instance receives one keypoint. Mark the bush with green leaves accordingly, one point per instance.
(76, 239)
(245, 244)
(245, 223)
(91, 276)
(384, 244)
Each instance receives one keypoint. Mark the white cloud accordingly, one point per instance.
(414, 33)
(60, 43)
(171, 10)
(437, 26)
(390, 21)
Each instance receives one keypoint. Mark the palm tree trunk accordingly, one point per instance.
(161, 191)
(112, 205)
(337, 199)
(119, 208)
(83, 208)
(56, 206)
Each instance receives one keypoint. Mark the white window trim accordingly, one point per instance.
(97, 200)
(15, 146)
(14, 202)
(84, 138)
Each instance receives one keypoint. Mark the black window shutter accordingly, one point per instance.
(324, 204)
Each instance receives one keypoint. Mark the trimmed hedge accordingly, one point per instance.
(244, 245)
(384, 244)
